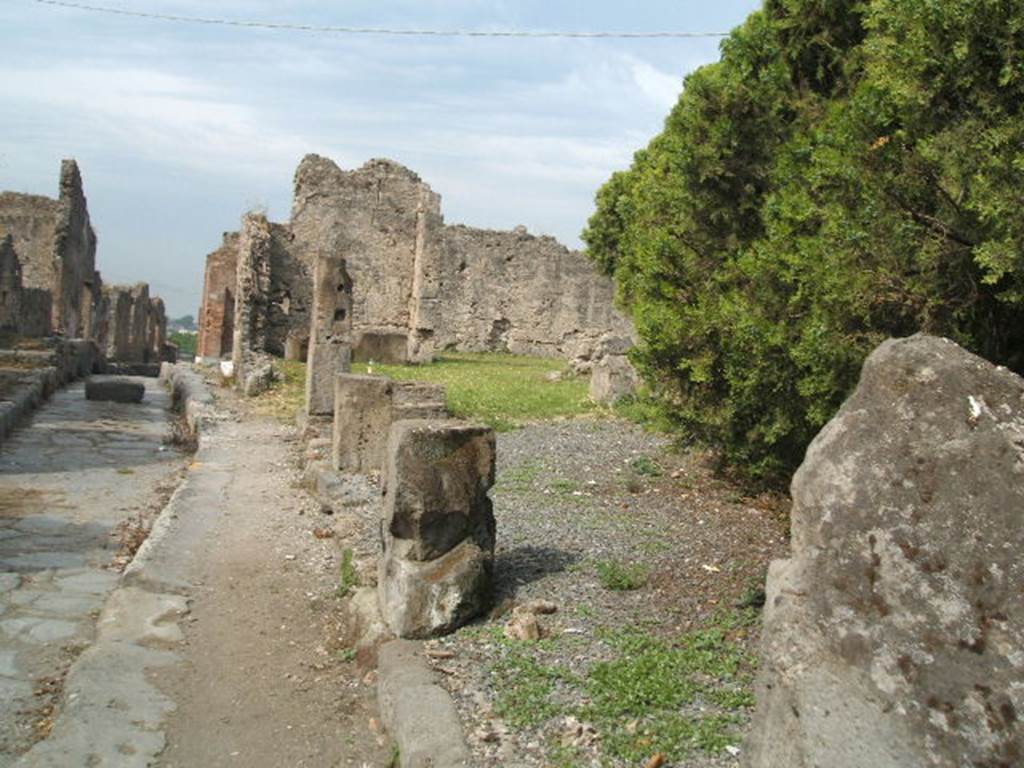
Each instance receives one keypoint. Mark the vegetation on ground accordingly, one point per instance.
(348, 576)
(287, 396)
(649, 695)
(501, 390)
(847, 172)
(621, 577)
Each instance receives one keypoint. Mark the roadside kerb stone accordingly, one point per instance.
(417, 711)
(189, 394)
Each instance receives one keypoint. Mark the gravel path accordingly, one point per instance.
(573, 498)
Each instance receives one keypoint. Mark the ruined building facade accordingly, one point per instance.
(418, 286)
(49, 283)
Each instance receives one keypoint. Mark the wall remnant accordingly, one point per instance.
(330, 339)
(54, 245)
(893, 634)
(438, 527)
(419, 285)
(217, 314)
(365, 407)
(57, 247)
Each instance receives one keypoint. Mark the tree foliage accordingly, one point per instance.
(848, 171)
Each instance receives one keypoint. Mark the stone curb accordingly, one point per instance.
(189, 395)
(417, 711)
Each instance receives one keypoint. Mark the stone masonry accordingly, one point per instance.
(50, 281)
(893, 635)
(57, 246)
(330, 342)
(23, 311)
(438, 528)
(365, 407)
(418, 285)
(217, 315)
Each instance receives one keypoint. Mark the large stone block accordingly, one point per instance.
(438, 526)
(115, 390)
(438, 475)
(326, 360)
(613, 378)
(365, 407)
(894, 635)
(362, 421)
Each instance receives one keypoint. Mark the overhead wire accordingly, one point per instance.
(379, 31)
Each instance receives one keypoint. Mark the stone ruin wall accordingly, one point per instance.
(418, 286)
(57, 248)
(51, 282)
(385, 222)
(75, 252)
(217, 314)
(529, 295)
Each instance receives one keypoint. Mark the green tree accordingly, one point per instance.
(847, 172)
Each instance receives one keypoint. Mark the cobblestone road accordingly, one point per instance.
(67, 480)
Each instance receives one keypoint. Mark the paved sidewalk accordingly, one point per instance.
(67, 479)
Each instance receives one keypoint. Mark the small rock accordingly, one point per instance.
(524, 627)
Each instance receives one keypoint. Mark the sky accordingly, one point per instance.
(179, 129)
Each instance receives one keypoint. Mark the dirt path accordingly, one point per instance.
(264, 682)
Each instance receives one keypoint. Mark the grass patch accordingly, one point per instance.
(621, 577)
(286, 396)
(659, 696)
(501, 390)
(645, 466)
(524, 686)
(348, 577)
(649, 695)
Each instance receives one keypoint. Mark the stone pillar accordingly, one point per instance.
(438, 527)
(362, 420)
(365, 407)
(330, 333)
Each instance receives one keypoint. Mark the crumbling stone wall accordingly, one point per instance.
(385, 222)
(217, 314)
(10, 286)
(75, 252)
(57, 248)
(417, 285)
(513, 291)
(330, 343)
(273, 291)
(156, 330)
(24, 311)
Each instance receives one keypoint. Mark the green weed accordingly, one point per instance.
(621, 577)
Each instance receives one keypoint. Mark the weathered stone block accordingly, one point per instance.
(438, 474)
(427, 599)
(365, 407)
(612, 378)
(326, 361)
(893, 635)
(362, 421)
(115, 390)
(438, 527)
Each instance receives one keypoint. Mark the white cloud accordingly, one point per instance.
(660, 87)
(159, 116)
